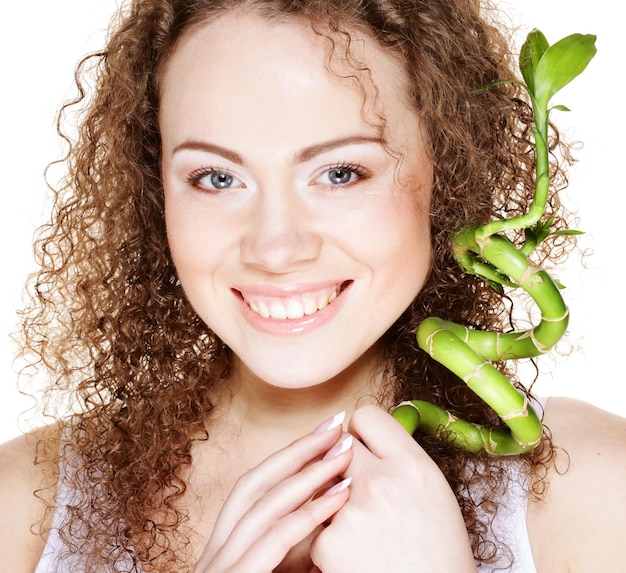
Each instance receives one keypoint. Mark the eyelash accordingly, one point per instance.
(197, 175)
(359, 171)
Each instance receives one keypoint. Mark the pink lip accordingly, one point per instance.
(288, 290)
(290, 326)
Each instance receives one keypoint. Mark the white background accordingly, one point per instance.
(41, 41)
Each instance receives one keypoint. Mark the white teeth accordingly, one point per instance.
(262, 309)
(295, 309)
(278, 311)
(310, 306)
(292, 307)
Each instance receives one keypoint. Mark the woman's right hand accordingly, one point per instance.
(274, 506)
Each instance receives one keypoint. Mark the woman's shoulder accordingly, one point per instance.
(27, 488)
(579, 524)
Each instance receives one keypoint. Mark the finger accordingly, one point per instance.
(381, 433)
(275, 469)
(287, 497)
(269, 473)
(279, 521)
(272, 547)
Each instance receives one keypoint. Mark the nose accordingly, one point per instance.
(282, 234)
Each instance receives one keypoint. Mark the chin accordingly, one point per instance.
(308, 372)
(294, 380)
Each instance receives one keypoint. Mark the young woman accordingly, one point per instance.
(256, 219)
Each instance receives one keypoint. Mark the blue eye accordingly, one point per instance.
(220, 180)
(343, 174)
(214, 180)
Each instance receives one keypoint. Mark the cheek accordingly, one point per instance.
(405, 249)
(188, 238)
(178, 235)
(400, 230)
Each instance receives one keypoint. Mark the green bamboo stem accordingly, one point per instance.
(542, 185)
(474, 438)
(487, 252)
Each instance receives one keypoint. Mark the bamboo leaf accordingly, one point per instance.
(560, 64)
(568, 232)
(538, 233)
(489, 85)
(530, 55)
(495, 286)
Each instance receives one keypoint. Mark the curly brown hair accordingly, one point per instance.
(108, 318)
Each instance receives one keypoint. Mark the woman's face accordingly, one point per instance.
(297, 236)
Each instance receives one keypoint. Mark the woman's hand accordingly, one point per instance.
(274, 506)
(401, 515)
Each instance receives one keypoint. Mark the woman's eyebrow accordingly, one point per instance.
(310, 152)
(300, 157)
(205, 146)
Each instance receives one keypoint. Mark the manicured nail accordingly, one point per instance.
(339, 487)
(339, 448)
(330, 424)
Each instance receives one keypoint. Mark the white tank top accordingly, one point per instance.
(509, 527)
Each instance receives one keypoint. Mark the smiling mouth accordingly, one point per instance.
(293, 306)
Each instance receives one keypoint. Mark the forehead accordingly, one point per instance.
(245, 42)
(347, 51)
(244, 67)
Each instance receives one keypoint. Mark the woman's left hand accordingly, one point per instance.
(402, 515)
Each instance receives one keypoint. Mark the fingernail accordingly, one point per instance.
(339, 448)
(339, 487)
(330, 424)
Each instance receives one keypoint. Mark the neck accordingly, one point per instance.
(280, 414)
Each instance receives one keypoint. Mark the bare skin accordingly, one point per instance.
(575, 529)
(272, 203)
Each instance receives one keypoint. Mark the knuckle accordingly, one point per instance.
(246, 482)
(313, 515)
(321, 548)
(363, 414)
(279, 539)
